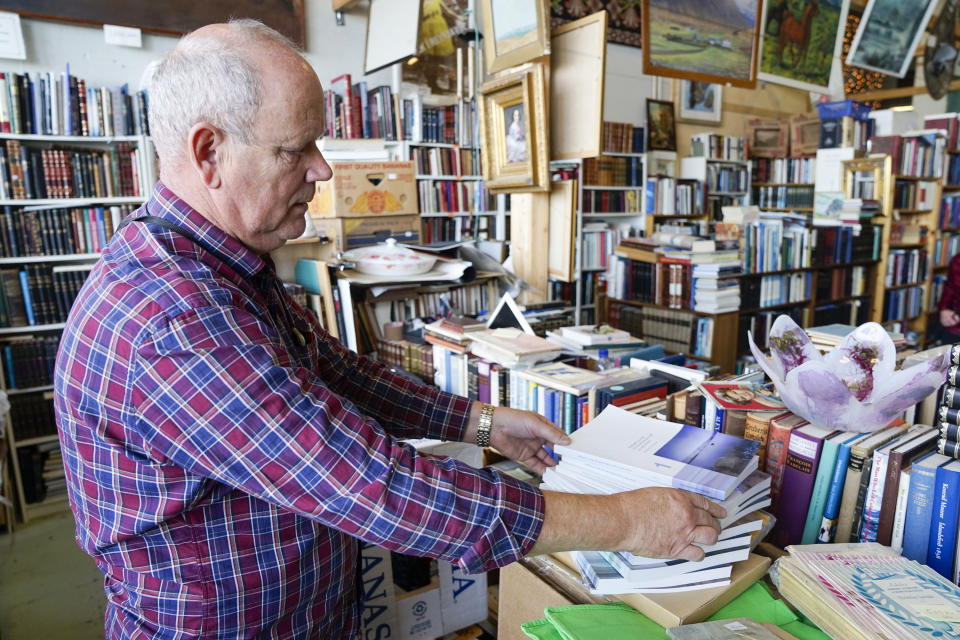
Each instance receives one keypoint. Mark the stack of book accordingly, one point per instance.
(588, 340)
(828, 336)
(619, 451)
(867, 591)
(512, 347)
(453, 333)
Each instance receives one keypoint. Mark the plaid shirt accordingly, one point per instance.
(221, 471)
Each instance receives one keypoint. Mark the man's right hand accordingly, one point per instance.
(655, 522)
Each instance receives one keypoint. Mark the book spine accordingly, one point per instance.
(857, 521)
(778, 440)
(942, 543)
(919, 510)
(821, 487)
(27, 298)
(899, 518)
(851, 485)
(798, 478)
(870, 516)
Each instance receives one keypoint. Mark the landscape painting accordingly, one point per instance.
(889, 33)
(800, 40)
(514, 24)
(705, 40)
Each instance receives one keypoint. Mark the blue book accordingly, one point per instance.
(831, 507)
(27, 298)
(916, 524)
(8, 361)
(943, 521)
(822, 484)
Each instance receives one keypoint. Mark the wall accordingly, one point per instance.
(51, 45)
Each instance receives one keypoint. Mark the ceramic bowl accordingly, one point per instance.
(388, 259)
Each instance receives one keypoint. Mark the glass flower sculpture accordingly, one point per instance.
(855, 386)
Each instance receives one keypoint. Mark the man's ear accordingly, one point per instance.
(204, 142)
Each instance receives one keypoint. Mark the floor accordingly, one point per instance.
(49, 588)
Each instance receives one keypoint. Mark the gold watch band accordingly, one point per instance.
(484, 424)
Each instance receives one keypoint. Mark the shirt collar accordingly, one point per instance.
(166, 204)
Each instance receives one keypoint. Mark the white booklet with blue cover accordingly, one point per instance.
(710, 463)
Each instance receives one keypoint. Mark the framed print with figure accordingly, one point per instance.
(888, 35)
(661, 127)
(515, 31)
(698, 101)
(513, 128)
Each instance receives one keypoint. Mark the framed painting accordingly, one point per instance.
(513, 129)
(698, 101)
(800, 40)
(515, 31)
(623, 21)
(768, 138)
(680, 41)
(661, 126)
(805, 134)
(888, 35)
(578, 57)
(435, 64)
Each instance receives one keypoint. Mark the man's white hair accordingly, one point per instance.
(208, 79)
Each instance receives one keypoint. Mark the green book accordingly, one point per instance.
(821, 485)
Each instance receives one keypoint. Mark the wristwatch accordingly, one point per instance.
(484, 424)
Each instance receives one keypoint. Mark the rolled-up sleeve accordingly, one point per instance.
(211, 395)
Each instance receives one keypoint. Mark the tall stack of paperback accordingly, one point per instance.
(949, 411)
(620, 451)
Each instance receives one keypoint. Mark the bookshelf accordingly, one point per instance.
(727, 181)
(62, 197)
(783, 184)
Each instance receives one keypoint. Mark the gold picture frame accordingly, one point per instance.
(515, 31)
(513, 131)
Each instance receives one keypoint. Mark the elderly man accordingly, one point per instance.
(223, 453)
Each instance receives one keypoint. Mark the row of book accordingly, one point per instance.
(903, 304)
(783, 170)
(32, 415)
(39, 294)
(952, 177)
(454, 196)
(842, 282)
(665, 195)
(443, 161)
(775, 244)
(29, 362)
(945, 247)
(445, 124)
(775, 290)
(47, 103)
(608, 171)
(906, 266)
(783, 197)
(718, 146)
(31, 173)
(845, 131)
(914, 195)
(727, 179)
(44, 232)
(599, 201)
(597, 239)
(41, 471)
(917, 154)
(355, 111)
(449, 229)
(622, 137)
(949, 212)
(564, 291)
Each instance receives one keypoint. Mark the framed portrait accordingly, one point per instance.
(513, 128)
(805, 134)
(800, 40)
(515, 31)
(661, 126)
(768, 138)
(888, 35)
(698, 101)
(578, 58)
(679, 42)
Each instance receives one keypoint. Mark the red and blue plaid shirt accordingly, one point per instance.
(221, 471)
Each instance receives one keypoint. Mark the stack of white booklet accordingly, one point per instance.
(620, 451)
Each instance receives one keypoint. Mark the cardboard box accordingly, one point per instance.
(365, 189)
(524, 594)
(348, 233)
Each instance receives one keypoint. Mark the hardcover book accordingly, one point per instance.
(821, 486)
(941, 548)
(803, 456)
(900, 456)
(920, 498)
(831, 508)
(777, 441)
(712, 464)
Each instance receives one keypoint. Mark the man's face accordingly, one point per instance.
(268, 183)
